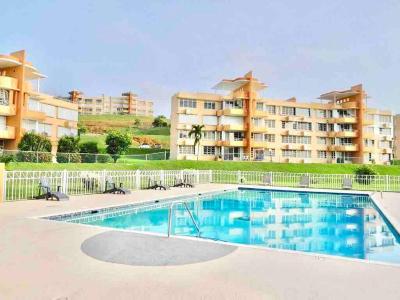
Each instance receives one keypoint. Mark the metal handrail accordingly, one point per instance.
(190, 214)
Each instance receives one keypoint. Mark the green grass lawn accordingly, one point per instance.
(209, 165)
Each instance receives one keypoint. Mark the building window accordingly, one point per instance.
(187, 103)
(269, 138)
(288, 111)
(385, 131)
(296, 153)
(67, 114)
(186, 149)
(302, 126)
(321, 154)
(4, 97)
(270, 123)
(209, 135)
(209, 105)
(295, 139)
(183, 134)
(321, 141)
(271, 109)
(322, 127)
(320, 113)
(260, 106)
(304, 112)
(209, 150)
(385, 119)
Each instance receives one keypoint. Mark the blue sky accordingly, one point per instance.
(156, 48)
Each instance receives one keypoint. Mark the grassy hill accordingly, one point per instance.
(98, 125)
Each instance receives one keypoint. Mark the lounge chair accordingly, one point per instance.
(347, 183)
(267, 179)
(111, 187)
(178, 182)
(304, 181)
(154, 184)
(45, 191)
(187, 182)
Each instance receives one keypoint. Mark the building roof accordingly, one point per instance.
(234, 84)
(337, 95)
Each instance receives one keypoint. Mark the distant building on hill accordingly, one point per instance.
(127, 103)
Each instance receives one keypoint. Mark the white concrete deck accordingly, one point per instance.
(42, 259)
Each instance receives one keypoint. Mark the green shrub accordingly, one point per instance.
(103, 158)
(88, 152)
(6, 158)
(364, 175)
(33, 157)
(68, 157)
(34, 142)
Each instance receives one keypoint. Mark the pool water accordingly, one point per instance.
(326, 223)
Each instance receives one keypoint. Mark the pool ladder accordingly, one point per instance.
(190, 214)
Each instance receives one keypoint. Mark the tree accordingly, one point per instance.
(117, 143)
(160, 121)
(137, 122)
(364, 174)
(68, 149)
(34, 147)
(196, 131)
(82, 129)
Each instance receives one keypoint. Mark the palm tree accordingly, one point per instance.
(196, 131)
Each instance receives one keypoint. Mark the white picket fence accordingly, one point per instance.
(20, 185)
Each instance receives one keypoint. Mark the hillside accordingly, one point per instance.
(143, 132)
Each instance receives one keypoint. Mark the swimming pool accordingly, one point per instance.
(347, 225)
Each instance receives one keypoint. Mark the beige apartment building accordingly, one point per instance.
(396, 138)
(241, 125)
(23, 108)
(127, 103)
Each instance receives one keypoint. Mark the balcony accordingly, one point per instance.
(260, 144)
(345, 120)
(343, 148)
(259, 128)
(7, 132)
(185, 142)
(233, 112)
(188, 111)
(235, 143)
(387, 151)
(35, 115)
(349, 105)
(184, 126)
(343, 133)
(368, 122)
(7, 110)
(233, 127)
(8, 83)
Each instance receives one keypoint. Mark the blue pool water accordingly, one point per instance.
(327, 223)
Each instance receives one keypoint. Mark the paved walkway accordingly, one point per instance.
(41, 259)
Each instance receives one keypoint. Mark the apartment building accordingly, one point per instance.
(396, 137)
(241, 125)
(127, 103)
(23, 108)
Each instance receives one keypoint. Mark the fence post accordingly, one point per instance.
(165, 155)
(162, 177)
(64, 181)
(238, 176)
(387, 183)
(3, 179)
(138, 181)
(210, 179)
(103, 179)
(198, 177)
